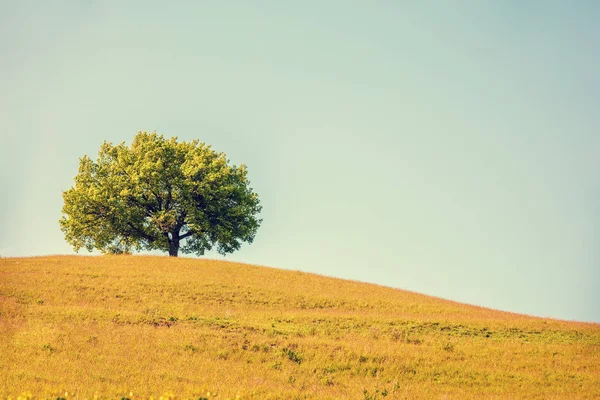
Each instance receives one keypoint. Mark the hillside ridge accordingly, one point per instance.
(200, 261)
(103, 325)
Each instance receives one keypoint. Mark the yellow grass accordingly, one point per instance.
(136, 327)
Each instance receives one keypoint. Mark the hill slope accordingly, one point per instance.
(149, 326)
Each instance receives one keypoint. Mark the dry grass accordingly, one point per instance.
(125, 326)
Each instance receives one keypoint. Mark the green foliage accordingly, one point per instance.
(160, 194)
(48, 347)
(292, 355)
(375, 396)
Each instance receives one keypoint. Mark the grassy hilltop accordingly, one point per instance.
(135, 327)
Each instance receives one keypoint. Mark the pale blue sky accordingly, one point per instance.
(449, 148)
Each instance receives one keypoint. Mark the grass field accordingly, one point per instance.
(136, 327)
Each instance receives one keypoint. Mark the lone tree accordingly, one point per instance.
(160, 194)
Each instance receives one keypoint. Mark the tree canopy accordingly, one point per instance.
(160, 194)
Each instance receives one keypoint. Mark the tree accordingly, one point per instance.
(160, 194)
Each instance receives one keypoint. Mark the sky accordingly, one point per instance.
(447, 148)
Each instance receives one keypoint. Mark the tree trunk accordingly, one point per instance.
(174, 245)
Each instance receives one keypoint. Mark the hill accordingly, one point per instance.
(137, 326)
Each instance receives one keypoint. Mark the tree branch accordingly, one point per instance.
(141, 233)
(149, 208)
(187, 234)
